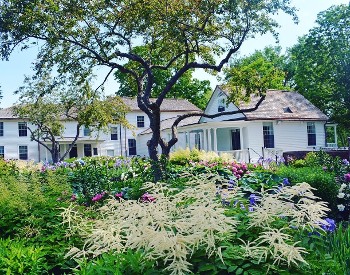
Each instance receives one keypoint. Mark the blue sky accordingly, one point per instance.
(12, 72)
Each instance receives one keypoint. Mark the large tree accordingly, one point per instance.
(77, 35)
(47, 105)
(322, 64)
(196, 91)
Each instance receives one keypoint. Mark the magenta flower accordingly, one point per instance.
(147, 198)
(98, 197)
(119, 195)
(73, 197)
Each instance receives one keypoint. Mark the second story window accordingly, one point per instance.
(140, 121)
(1, 129)
(221, 105)
(114, 133)
(22, 129)
(87, 132)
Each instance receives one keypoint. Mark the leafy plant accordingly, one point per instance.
(18, 258)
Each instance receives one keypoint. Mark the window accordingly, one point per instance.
(23, 152)
(140, 121)
(87, 132)
(311, 134)
(268, 135)
(1, 129)
(73, 151)
(132, 147)
(95, 152)
(221, 104)
(87, 150)
(114, 133)
(2, 151)
(22, 129)
(110, 153)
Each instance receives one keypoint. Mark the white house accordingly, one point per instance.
(15, 140)
(285, 121)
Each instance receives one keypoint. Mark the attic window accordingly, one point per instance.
(287, 110)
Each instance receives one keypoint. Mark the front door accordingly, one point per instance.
(132, 147)
(236, 139)
(73, 152)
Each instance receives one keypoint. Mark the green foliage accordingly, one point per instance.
(320, 59)
(323, 181)
(18, 258)
(256, 181)
(255, 74)
(117, 264)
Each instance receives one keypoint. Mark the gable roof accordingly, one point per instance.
(283, 105)
(168, 105)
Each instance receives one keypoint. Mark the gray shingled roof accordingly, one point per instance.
(168, 105)
(283, 105)
(167, 123)
(7, 113)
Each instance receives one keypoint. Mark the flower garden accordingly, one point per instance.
(210, 215)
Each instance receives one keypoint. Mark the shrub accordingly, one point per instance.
(18, 258)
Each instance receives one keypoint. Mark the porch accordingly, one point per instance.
(84, 147)
(232, 138)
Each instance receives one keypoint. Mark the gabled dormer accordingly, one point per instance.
(218, 103)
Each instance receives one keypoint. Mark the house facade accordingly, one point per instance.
(15, 142)
(285, 121)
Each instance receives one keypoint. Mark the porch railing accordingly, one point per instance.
(239, 155)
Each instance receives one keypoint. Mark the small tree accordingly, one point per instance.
(46, 105)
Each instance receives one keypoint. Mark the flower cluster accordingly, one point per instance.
(329, 225)
(99, 196)
(147, 198)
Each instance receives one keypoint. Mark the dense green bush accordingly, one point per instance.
(18, 258)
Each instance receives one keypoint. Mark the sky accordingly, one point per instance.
(12, 72)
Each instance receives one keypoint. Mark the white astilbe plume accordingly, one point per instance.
(298, 207)
(169, 229)
(297, 203)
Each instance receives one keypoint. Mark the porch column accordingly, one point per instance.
(46, 154)
(188, 140)
(205, 143)
(209, 139)
(215, 141)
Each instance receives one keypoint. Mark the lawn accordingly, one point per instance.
(209, 215)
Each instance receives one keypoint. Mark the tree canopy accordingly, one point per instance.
(78, 35)
(47, 105)
(322, 64)
(259, 71)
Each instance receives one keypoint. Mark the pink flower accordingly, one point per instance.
(73, 197)
(119, 195)
(98, 197)
(147, 198)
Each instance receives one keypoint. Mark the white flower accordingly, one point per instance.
(341, 207)
(342, 187)
(341, 195)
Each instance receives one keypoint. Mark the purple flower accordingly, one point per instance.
(347, 177)
(329, 225)
(286, 181)
(252, 199)
(345, 162)
(73, 197)
(251, 208)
